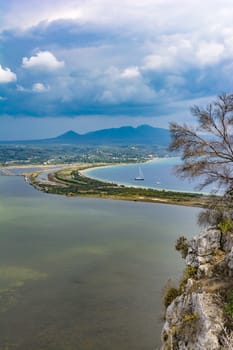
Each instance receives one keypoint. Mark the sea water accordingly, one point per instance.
(159, 173)
(84, 274)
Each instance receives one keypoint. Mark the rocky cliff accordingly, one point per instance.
(199, 313)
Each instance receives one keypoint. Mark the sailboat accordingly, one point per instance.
(140, 176)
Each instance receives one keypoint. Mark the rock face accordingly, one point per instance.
(202, 252)
(194, 320)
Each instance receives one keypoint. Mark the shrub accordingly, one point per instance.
(226, 225)
(189, 272)
(191, 317)
(170, 295)
(228, 308)
(182, 246)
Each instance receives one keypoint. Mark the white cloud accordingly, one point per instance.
(178, 34)
(128, 73)
(6, 75)
(174, 52)
(156, 15)
(209, 53)
(3, 98)
(36, 87)
(157, 62)
(39, 87)
(20, 88)
(131, 73)
(42, 60)
(171, 51)
(127, 86)
(36, 11)
(120, 50)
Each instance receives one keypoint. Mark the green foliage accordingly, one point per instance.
(170, 295)
(73, 182)
(228, 308)
(191, 317)
(182, 246)
(226, 225)
(165, 336)
(189, 272)
(71, 153)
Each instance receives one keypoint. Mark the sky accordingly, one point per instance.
(92, 64)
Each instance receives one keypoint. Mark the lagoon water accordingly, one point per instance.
(84, 274)
(158, 173)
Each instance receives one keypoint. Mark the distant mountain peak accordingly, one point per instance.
(144, 126)
(70, 134)
(125, 135)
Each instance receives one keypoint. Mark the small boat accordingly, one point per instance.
(140, 176)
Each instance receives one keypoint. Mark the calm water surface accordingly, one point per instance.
(158, 173)
(84, 274)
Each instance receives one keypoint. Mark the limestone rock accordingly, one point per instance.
(230, 261)
(193, 321)
(202, 249)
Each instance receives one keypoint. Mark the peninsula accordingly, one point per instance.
(72, 182)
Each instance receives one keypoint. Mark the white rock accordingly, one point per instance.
(206, 242)
(194, 319)
(202, 249)
(211, 319)
(201, 331)
(230, 259)
(205, 270)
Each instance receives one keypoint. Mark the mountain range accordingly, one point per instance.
(125, 135)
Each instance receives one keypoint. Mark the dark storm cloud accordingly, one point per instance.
(98, 57)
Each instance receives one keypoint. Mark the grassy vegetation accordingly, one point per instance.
(72, 182)
(170, 295)
(228, 307)
(226, 226)
(182, 246)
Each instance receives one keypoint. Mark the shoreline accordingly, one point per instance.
(68, 186)
(85, 173)
(72, 181)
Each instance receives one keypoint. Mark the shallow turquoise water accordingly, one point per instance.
(79, 273)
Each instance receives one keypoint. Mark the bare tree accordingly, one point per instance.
(207, 148)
